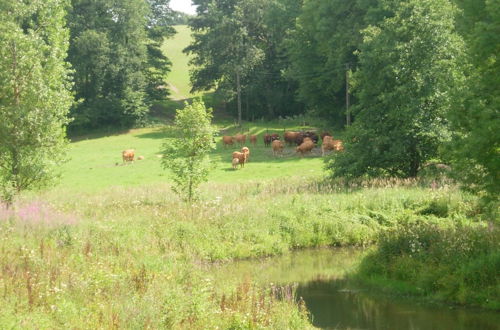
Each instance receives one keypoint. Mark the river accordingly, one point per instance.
(334, 302)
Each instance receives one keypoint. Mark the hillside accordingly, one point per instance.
(178, 78)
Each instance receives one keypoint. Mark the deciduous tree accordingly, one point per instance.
(34, 93)
(187, 155)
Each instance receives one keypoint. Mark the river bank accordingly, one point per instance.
(134, 257)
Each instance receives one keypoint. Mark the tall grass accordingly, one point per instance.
(454, 263)
(134, 257)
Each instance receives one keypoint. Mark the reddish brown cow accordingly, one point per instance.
(128, 155)
(277, 146)
(241, 158)
(227, 140)
(240, 138)
(305, 147)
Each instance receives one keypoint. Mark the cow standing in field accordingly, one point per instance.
(128, 155)
(227, 140)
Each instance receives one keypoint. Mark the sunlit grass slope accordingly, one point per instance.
(178, 78)
(96, 163)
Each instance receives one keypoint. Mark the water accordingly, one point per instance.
(335, 303)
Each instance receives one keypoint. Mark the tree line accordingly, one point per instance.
(423, 76)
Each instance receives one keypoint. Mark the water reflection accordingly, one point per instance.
(334, 303)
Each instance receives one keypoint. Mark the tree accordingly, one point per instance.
(475, 117)
(331, 29)
(159, 27)
(243, 41)
(408, 68)
(34, 93)
(186, 156)
(115, 49)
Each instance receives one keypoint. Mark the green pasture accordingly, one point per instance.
(178, 78)
(95, 163)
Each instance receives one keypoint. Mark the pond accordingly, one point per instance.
(337, 303)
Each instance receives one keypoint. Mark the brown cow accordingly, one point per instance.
(305, 147)
(277, 146)
(241, 158)
(253, 139)
(227, 140)
(235, 163)
(240, 138)
(290, 137)
(246, 151)
(128, 155)
(267, 140)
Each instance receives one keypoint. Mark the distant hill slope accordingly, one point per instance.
(178, 78)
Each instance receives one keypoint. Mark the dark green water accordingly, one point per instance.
(334, 303)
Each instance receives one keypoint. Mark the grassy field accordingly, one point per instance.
(93, 162)
(178, 78)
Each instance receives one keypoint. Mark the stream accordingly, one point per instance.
(336, 303)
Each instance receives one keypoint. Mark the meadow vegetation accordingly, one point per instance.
(137, 256)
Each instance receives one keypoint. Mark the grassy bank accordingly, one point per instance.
(135, 256)
(452, 263)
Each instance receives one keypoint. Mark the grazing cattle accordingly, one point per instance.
(327, 145)
(235, 163)
(312, 135)
(299, 138)
(128, 155)
(227, 140)
(240, 138)
(307, 139)
(338, 145)
(241, 158)
(267, 140)
(290, 137)
(322, 135)
(275, 136)
(277, 146)
(253, 139)
(246, 151)
(305, 147)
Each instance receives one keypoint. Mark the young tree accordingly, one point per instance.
(187, 155)
(408, 68)
(34, 93)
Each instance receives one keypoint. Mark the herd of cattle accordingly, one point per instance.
(305, 142)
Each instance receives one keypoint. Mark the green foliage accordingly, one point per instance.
(245, 37)
(332, 32)
(453, 263)
(119, 67)
(407, 68)
(187, 156)
(34, 93)
(475, 117)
